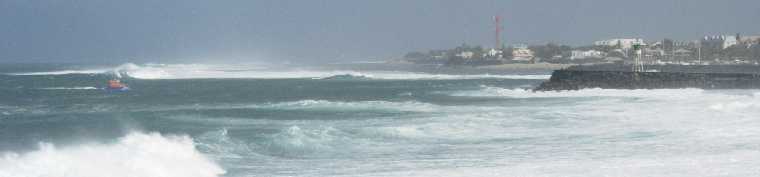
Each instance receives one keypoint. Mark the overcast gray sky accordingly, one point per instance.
(322, 30)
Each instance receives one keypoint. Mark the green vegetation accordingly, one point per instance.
(461, 55)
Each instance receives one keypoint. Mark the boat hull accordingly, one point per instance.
(117, 89)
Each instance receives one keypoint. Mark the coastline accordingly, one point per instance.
(515, 68)
(656, 77)
(542, 66)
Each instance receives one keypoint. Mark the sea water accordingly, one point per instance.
(245, 120)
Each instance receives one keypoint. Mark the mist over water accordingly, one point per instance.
(229, 71)
(223, 120)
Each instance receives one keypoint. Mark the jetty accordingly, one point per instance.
(619, 76)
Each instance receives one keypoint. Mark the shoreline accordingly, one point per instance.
(543, 66)
(514, 68)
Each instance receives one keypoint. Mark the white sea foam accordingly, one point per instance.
(411, 106)
(63, 72)
(98, 70)
(488, 91)
(136, 154)
(677, 132)
(219, 144)
(297, 141)
(724, 164)
(202, 71)
(223, 71)
(69, 88)
(289, 141)
(359, 105)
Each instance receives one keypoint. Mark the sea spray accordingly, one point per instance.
(136, 154)
(483, 126)
(202, 71)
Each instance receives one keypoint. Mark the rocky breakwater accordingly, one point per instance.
(658, 77)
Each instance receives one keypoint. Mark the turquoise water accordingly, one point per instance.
(223, 120)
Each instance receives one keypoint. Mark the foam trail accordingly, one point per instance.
(197, 71)
(62, 72)
(117, 74)
(69, 88)
(136, 154)
(362, 105)
(410, 106)
(200, 71)
(115, 70)
(488, 91)
(731, 164)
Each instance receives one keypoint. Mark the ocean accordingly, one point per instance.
(206, 120)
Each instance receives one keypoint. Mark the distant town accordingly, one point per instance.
(709, 50)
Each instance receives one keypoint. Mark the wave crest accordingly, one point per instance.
(223, 71)
(295, 141)
(62, 72)
(488, 91)
(136, 154)
(200, 71)
(408, 106)
(69, 88)
(361, 105)
(346, 77)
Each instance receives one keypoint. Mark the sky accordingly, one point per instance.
(317, 31)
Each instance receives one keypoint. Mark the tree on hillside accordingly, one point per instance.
(549, 50)
(756, 52)
(739, 51)
(415, 55)
(668, 45)
(507, 52)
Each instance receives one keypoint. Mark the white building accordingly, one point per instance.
(522, 54)
(722, 41)
(466, 54)
(750, 40)
(580, 54)
(730, 41)
(624, 43)
(494, 53)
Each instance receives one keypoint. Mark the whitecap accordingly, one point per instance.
(136, 154)
(410, 106)
(62, 72)
(489, 91)
(201, 71)
(220, 71)
(69, 88)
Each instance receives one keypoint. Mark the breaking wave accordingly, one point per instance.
(115, 70)
(361, 105)
(219, 144)
(136, 154)
(731, 164)
(488, 91)
(69, 88)
(63, 72)
(308, 142)
(200, 71)
(346, 77)
(222, 71)
(409, 106)
(288, 141)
